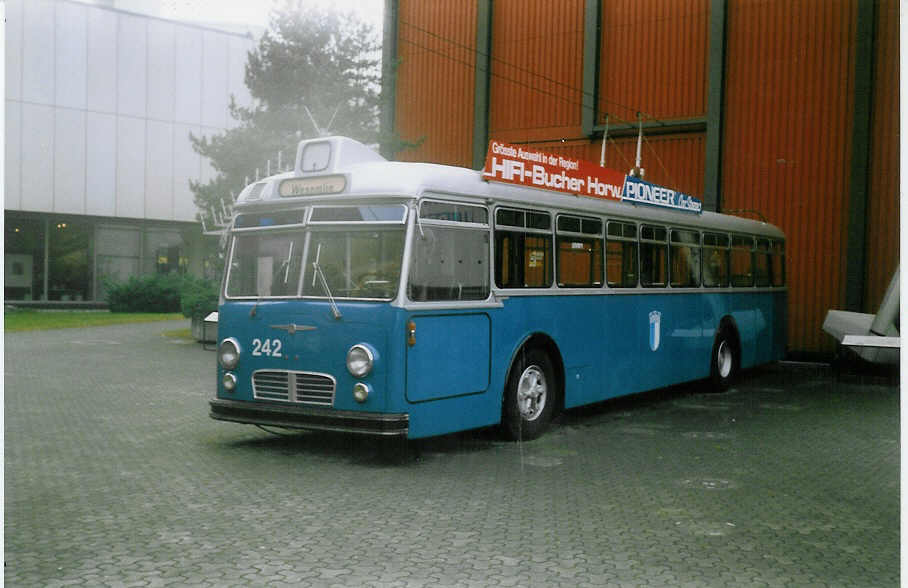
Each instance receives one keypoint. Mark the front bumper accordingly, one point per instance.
(310, 417)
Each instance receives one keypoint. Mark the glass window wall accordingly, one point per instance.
(23, 256)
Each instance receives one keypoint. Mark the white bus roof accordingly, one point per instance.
(367, 175)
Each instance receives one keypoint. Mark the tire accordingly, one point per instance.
(725, 360)
(530, 396)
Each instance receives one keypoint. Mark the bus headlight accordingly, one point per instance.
(360, 392)
(229, 353)
(229, 382)
(359, 360)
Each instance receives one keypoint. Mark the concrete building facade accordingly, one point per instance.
(100, 104)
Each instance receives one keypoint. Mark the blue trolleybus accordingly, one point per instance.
(410, 299)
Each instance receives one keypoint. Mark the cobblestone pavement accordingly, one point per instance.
(115, 476)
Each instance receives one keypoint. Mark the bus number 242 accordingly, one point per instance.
(269, 347)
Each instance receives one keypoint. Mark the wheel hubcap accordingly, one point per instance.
(724, 359)
(532, 392)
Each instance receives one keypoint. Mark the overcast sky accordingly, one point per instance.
(256, 12)
(241, 15)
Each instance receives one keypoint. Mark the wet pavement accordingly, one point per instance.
(115, 476)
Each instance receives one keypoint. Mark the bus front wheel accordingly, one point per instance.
(726, 360)
(530, 396)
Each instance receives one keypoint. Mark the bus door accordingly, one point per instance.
(447, 355)
(449, 351)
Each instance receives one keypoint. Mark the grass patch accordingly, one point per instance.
(39, 320)
(179, 334)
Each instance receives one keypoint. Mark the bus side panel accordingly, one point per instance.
(576, 324)
(763, 328)
(737, 305)
(450, 356)
(668, 329)
(740, 307)
(769, 327)
(760, 320)
(449, 415)
(616, 344)
(604, 327)
(780, 325)
(581, 333)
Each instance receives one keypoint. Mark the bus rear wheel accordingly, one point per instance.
(530, 396)
(726, 359)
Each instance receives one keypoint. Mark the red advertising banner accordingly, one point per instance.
(536, 169)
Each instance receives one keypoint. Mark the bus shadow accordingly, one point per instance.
(640, 403)
(355, 449)
(379, 452)
(367, 451)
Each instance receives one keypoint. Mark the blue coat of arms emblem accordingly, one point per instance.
(655, 328)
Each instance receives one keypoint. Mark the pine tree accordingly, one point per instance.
(310, 68)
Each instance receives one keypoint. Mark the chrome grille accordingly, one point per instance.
(271, 385)
(314, 388)
(303, 387)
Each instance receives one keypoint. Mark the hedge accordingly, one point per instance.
(194, 297)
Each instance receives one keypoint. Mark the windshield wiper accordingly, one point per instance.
(287, 263)
(321, 275)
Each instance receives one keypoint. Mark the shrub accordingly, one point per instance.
(198, 297)
(151, 293)
(194, 297)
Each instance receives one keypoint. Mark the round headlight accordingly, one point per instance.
(229, 353)
(359, 361)
(229, 382)
(360, 392)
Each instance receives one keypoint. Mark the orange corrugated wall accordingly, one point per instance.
(787, 142)
(435, 79)
(653, 59)
(883, 192)
(537, 70)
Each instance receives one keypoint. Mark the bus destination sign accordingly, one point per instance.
(513, 164)
(311, 186)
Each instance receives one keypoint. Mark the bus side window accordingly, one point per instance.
(777, 263)
(523, 249)
(653, 256)
(715, 260)
(684, 251)
(742, 273)
(621, 255)
(579, 245)
(762, 265)
(450, 258)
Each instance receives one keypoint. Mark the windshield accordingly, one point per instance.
(355, 264)
(264, 265)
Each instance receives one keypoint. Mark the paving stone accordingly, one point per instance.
(115, 476)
